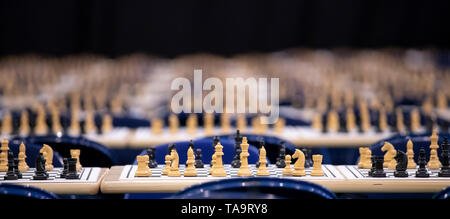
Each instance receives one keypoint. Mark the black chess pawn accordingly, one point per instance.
(198, 158)
(379, 171)
(216, 140)
(238, 137)
(402, 164)
(40, 173)
(373, 165)
(16, 168)
(11, 174)
(72, 170)
(445, 169)
(422, 172)
(151, 161)
(308, 157)
(236, 162)
(65, 168)
(281, 160)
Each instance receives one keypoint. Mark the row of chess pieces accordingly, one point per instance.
(240, 160)
(401, 161)
(332, 123)
(333, 120)
(318, 73)
(44, 162)
(157, 125)
(42, 128)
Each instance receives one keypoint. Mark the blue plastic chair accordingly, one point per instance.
(207, 151)
(444, 194)
(255, 188)
(32, 150)
(93, 154)
(14, 191)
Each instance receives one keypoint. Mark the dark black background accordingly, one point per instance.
(171, 28)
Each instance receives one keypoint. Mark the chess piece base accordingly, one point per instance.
(401, 174)
(299, 173)
(422, 174)
(143, 173)
(219, 172)
(72, 176)
(11, 177)
(244, 171)
(40, 177)
(378, 174)
(444, 173)
(317, 173)
(174, 173)
(287, 172)
(190, 172)
(433, 165)
(262, 172)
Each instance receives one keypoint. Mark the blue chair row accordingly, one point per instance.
(13, 191)
(237, 188)
(255, 188)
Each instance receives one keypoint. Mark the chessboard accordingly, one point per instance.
(360, 181)
(121, 179)
(87, 184)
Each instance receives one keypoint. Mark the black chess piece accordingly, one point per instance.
(402, 164)
(373, 165)
(379, 171)
(11, 174)
(65, 168)
(445, 169)
(198, 158)
(216, 140)
(281, 160)
(308, 157)
(151, 161)
(16, 168)
(40, 173)
(261, 144)
(72, 169)
(422, 172)
(236, 162)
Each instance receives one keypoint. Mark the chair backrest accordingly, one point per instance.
(14, 191)
(92, 154)
(256, 188)
(207, 151)
(444, 194)
(32, 150)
